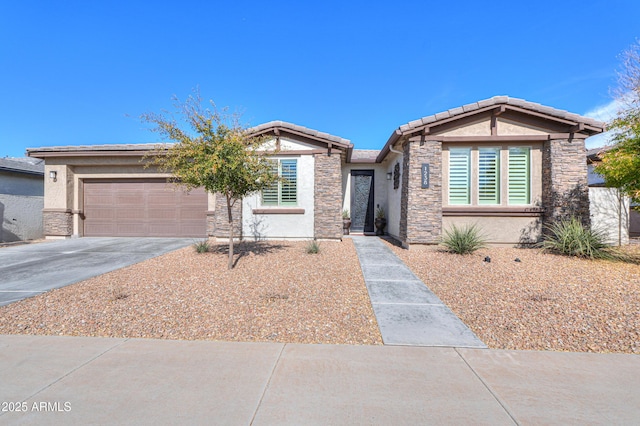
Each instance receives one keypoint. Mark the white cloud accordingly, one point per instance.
(604, 112)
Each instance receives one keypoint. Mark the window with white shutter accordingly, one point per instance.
(489, 176)
(284, 192)
(519, 175)
(459, 176)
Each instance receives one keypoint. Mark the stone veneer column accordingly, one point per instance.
(421, 208)
(565, 190)
(57, 222)
(327, 203)
(221, 218)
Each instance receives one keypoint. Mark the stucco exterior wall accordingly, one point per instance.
(20, 217)
(394, 195)
(21, 204)
(380, 185)
(610, 214)
(500, 230)
(283, 226)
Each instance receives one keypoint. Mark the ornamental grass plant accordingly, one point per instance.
(570, 237)
(463, 240)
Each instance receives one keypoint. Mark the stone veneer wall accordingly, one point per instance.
(421, 208)
(57, 223)
(565, 190)
(327, 196)
(221, 218)
(211, 224)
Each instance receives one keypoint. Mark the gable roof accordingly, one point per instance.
(579, 124)
(278, 127)
(22, 165)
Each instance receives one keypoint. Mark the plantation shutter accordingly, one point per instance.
(519, 159)
(459, 175)
(270, 194)
(289, 173)
(488, 176)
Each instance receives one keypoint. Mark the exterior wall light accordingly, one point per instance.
(389, 176)
(53, 175)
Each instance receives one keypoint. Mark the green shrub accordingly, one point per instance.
(202, 246)
(313, 247)
(463, 240)
(571, 238)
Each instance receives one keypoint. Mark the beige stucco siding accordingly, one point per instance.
(499, 230)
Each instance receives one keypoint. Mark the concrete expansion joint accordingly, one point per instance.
(268, 385)
(71, 372)
(486, 385)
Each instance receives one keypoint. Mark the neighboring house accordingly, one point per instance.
(21, 199)
(610, 210)
(504, 163)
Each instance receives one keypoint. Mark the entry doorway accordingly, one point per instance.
(362, 213)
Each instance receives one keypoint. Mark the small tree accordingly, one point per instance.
(620, 165)
(219, 154)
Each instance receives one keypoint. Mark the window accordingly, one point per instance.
(459, 176)
(477, 177)
(519, 175)
(489, 176)
(285, 192)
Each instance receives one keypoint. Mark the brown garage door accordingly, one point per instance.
(143, 208)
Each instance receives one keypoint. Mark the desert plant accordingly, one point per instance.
(313, 247)
(380, 213)
(571, 238)
(463, 240)
(202, 246)
(345, 214)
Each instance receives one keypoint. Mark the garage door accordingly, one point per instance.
(143, 208)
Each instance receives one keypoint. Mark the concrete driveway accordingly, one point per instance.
(29, 270)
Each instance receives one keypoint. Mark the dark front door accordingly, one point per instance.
(362, 200)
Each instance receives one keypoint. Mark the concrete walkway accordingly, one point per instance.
(408, 313)
(83, 380)
(28, 270)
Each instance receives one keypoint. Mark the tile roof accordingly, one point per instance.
(364, 155)
(502, 100)
(112, 147)
(22, 165)
(299, 129)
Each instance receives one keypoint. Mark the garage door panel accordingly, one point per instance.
(163, 214)
(167, 198)
(127, 214)
(139, 208)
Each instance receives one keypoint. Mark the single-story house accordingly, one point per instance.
(504, 163)
(21, 199)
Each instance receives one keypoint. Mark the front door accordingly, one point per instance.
(362, 201)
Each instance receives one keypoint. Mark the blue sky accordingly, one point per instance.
(82, 72)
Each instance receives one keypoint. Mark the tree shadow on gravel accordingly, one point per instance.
(248, 248)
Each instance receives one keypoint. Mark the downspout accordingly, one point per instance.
(392, 149)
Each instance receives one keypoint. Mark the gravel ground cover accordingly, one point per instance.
(543, 302)
(277, 292)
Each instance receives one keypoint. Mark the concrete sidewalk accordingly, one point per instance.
(82, 380)
(408, 313)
